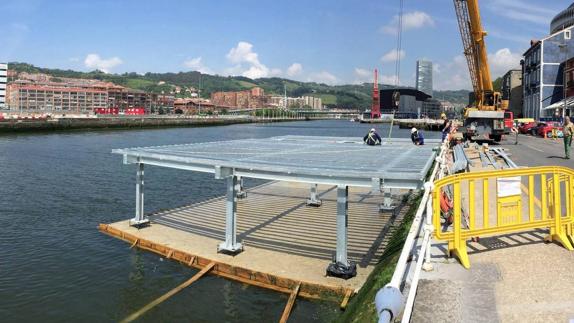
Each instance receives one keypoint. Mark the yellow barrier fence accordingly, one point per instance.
(503, 201)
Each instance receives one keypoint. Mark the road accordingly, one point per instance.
(536, 151)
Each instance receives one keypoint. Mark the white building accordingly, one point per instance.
(308, 102)
(3, 81)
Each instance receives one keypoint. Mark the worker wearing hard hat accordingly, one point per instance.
(417, 137)
(372, 138)
(446, 126)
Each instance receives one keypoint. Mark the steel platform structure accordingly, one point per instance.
(338, 161)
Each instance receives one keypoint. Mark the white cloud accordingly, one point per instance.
(294, 70)
(388, 79)
(392, 55)
(94, 61)
(275, 72)
(454, 75)
(196, 65)
(323, 77)
(247, 61)
(411, 20)
(521, 10)
(363, 76)
(502, 61)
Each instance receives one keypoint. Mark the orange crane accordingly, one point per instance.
(484, 118)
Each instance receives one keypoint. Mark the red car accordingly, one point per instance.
(546, 128)
(527, 127)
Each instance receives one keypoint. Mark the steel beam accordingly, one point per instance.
(231, 246)
(398, 180)
(313, 200)
(139, 218)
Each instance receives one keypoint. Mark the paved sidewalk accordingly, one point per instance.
(513, 278)
(517, 278)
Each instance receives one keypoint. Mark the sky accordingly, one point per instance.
(327, 41)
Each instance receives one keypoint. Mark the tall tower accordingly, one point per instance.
(376, 106)
(424, 76)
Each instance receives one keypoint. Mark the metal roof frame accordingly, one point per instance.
(339, 161)
(397, 163)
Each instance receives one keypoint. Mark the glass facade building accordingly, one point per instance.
(424, 77)
(543, 72)
(543, 66)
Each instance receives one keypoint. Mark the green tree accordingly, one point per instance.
(497, 84)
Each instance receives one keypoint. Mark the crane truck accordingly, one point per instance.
(484, 117)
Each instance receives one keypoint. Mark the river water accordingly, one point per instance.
(56, 267)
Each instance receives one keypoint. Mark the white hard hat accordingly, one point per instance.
(413, 130)
(372, 129)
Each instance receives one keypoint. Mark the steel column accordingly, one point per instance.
(139, 218)
(387, 204)
(342, 224)
(313, 200)
(241, 193)
(231, 245)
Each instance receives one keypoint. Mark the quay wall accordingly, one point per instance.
(62, 124)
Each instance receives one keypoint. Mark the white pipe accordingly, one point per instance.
(415, 227)
(425, 249)
(410, 240)
(380, 303)
(413, 290)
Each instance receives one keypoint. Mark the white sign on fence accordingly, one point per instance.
(508, 186)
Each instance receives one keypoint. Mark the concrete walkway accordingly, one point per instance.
(513, 278)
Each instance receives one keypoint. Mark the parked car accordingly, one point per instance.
(527, 127)
(546, 128)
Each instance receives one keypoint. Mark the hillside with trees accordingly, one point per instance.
(340, 96)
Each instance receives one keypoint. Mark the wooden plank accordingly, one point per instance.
(290, 302)
(259, 279)
(346, 298)
(169, 294)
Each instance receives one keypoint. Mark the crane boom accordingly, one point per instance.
(472, 33)
(484, 118)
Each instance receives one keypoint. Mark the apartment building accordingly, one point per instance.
(249, 99)
(3, 82)
(43, 99)
(43, 93)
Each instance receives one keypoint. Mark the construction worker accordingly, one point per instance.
(568, 133)
(372, 138)
(446, 126)
(417, 137)
(514, 130)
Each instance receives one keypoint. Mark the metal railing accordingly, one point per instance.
(523, 198)
(389, 300)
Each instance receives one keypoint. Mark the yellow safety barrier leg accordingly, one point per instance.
(557, 232)
(459, 244)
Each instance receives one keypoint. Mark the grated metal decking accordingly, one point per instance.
(318, 160)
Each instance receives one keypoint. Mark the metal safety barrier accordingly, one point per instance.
(503, 201)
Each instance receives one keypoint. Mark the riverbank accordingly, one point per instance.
(123, 122)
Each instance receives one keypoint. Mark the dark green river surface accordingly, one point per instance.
(55, 266)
